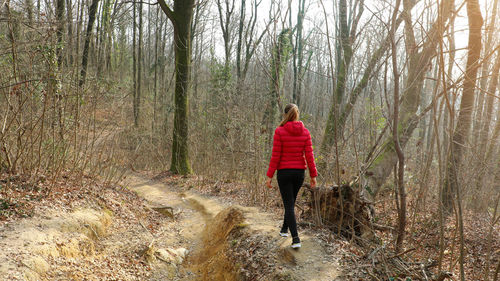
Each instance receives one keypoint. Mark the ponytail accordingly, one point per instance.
(291, 113)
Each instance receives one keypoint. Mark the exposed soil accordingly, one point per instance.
(108, 233)
(232, 242)
(165, 229)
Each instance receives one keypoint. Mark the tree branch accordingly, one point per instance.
(166, 9)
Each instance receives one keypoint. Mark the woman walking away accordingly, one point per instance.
(292, 141)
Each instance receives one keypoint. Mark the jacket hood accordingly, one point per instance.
(294, 127)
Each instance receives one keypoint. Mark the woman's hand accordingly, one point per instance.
(268, 183)
(313, 182)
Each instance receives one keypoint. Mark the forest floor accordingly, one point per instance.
(167, 232)
(167, 227)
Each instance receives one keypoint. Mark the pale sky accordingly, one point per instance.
(315, 16)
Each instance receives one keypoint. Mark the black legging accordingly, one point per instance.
(290, 181)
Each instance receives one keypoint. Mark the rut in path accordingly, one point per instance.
(203, 225)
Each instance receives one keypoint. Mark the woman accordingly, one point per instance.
(292, 141)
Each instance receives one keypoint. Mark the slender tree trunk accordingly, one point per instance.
(38, 10)
(485, 128)
(395, 134)
(109, 42)
(69, 49)
(155, 85)
(139, 64)
(446, 101)
(495, 137)
(464, 121)
(29, 11)
(88, 37)
(345, 110)
(104, 33)
(149, 39)
(279, 59)
(60, 30)
(95, 45)
(240, 42)
(298, 54)
(79, 22)
(343, 63)
(58, 67)
(134, 66)
(481, 101)
(225, 24)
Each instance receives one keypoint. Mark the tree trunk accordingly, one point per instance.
(155, 82)
(95, 45)
(88, 35)
(481, 102)
(109, 40)
(494, 143)
(298, 55)
(279, 59)
(401, 193)
(343, 63)
(134, 70)
(249, 44)
(462, 129)
(240, 41)
(181, 18)
(29, 11)
(69, 16)
(139, 65)
(79, 20)
(60, 30)
(58, 67)
(485, 128)
(104, 32)
(446, 101)
(225, 24)
(38, 14)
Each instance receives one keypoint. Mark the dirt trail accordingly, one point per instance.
(112, 234)
(194, 211)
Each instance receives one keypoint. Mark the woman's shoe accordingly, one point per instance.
(284, 232)
(296, 243)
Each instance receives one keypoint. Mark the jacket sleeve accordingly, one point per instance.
(275, 156)
(310, 157)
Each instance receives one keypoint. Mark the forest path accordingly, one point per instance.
(193, 212)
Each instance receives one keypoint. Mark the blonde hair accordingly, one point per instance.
(291, 113)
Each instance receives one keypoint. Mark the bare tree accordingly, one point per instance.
(225, 21)
(419, 60)
(298, 54)
(348, 32)
(401, 193)
(280, 54)
(248, 41)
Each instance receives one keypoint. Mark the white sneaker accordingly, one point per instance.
(296, 245)
(283, 234)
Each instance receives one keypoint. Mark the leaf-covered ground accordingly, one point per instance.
(129, 249)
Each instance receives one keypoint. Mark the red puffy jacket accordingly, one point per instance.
(291, 143)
